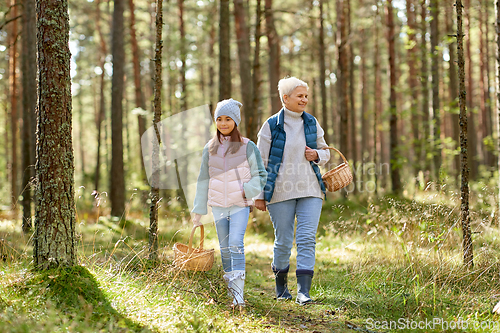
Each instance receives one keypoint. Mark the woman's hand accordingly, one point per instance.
(260, 204)
(311, 154)
(196, 220)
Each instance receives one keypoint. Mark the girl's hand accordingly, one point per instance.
(311, 154)
(260, 204)
(196, 220)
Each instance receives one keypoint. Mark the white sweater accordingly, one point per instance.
(296, 177)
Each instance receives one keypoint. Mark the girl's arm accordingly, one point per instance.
(259, 174)
(201, 198)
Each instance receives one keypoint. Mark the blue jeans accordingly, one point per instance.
(231, 224)
(307, 211)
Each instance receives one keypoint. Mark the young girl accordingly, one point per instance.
(231, 174)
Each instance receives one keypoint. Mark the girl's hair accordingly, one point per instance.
(287, 85)
(235, 141)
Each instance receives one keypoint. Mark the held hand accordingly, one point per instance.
(260, 204)
(196, 220)
(311, 154)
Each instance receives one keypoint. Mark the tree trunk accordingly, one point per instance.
(211, 54)
(343, 76)
(464, 188)
(29, 106)
(13, 105)
(117, 177)
(274, 56)
(393, 122)
(497, 82)
(224, 51)
(183, 56)
(54, 239)
(102, 105)
(257, 77)
(353, 120)
(243, 42)
(425, 90)
(155, 192)
(474, 147)
(453, 88)
(322, 69)
(435, 59)
(485, 105)
(366, 147)
(413, 85)
(139, 96)
(181, 192)
(377, 149)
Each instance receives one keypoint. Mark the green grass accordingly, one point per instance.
(390, 261)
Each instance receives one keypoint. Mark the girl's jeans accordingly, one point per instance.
(231, 224)
(307, 210)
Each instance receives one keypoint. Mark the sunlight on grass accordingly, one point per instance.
(385, 260)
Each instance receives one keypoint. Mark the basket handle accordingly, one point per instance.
(202, 236)
(338, 151)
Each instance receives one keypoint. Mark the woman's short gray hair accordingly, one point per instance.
(287, 85)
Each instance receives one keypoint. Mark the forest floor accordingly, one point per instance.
(391, 265)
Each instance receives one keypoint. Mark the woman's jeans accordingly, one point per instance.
(307, 210)
(231, 224)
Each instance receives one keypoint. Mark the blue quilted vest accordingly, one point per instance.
(278, 138)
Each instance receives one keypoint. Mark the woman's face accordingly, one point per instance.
(225, 124)
(297, 100)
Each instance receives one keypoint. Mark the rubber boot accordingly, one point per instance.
(281, 279)
(303, 287)
(236, 285)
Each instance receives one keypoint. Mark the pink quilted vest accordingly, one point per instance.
(227, 175)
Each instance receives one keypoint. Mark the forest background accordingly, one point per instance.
(383, 83)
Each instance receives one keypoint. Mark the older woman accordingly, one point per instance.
(290, 144)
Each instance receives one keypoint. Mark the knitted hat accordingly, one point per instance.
(230, 108)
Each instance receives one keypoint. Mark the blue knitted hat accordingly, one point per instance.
(230, 108)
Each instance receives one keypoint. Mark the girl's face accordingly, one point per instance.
(297, 100)
(225, 124)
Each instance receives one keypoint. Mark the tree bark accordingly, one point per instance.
(425, 90)
(257, 76)
(102, 103)
(13, 105)
(393, 122)
(117, 177)
(353, 119)
(139, 96)
(413, 85)
(322, 70)
(243, 42)
(464, 188)
(343, 76)
(435, 60)
(377, 149)
(155, 192)
(274, 56)
(29, 70)
(497, 82)
(54, 239)
(224, 51)
(453, 88)
(485, 123)
(474, 147)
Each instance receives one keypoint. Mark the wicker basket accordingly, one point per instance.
(187, 258)
(340, 176)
